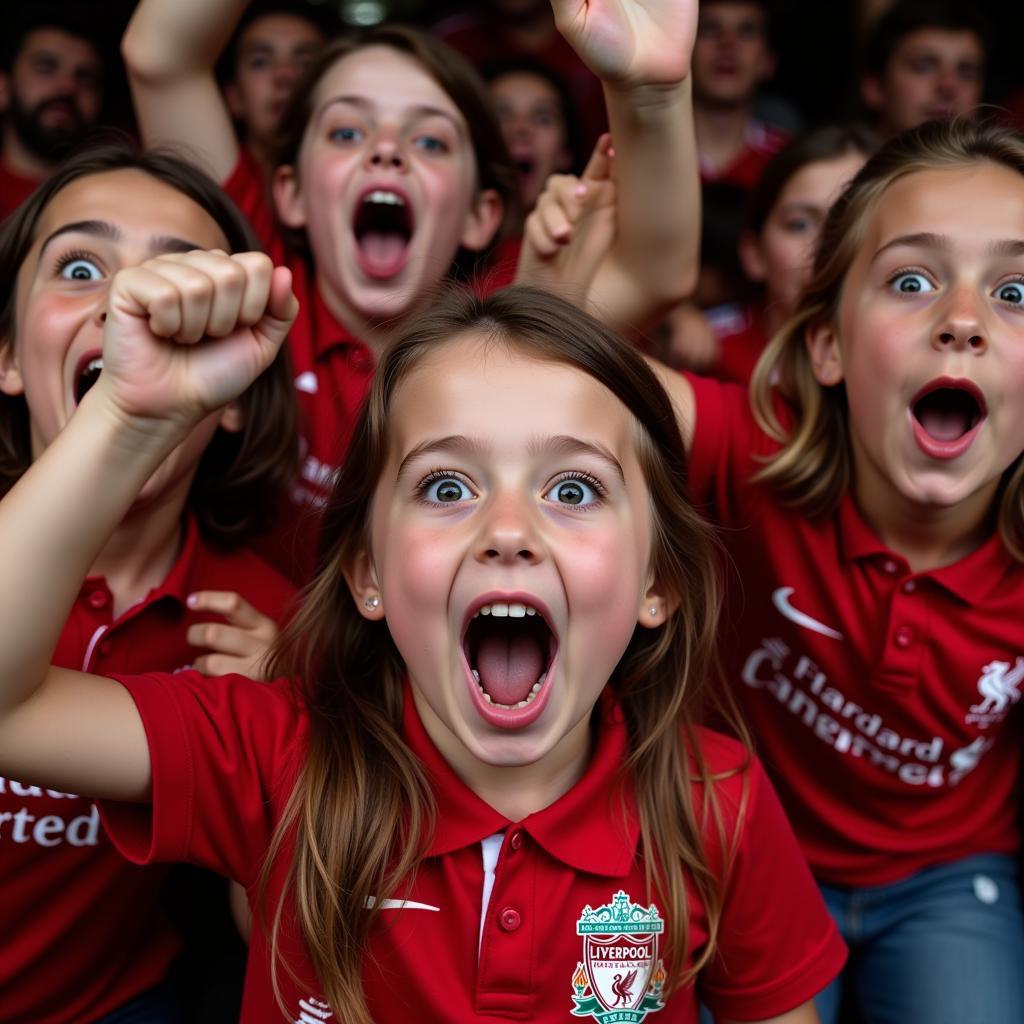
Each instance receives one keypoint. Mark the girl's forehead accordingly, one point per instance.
(383, 77)
(970, 201)
(476, 387)
(131, 202)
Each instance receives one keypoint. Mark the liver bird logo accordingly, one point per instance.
(622, 987)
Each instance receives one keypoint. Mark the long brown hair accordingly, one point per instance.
(813, 468)
(241, 475)
(362, 810)
(449, 69)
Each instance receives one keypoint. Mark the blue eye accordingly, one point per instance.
(573, 491)
(78, 268)
(431, 144)
(346, 134)
(1011, 292)
(446, 490)
(910, 282)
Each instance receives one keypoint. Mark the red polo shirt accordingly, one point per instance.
(741, 340)
(14, 189)
(882, 700)
(224, 760)
(332, 371)
(81, 931)
(762, 142)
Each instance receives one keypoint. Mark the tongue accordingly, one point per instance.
(944, 424)
(509, 666)
(383, 253)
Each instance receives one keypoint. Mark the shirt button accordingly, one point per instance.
(909, 587)
(904, 636)
(99, 599)
(516, 841)
(510, 919)
(890, 567)
(105, 647)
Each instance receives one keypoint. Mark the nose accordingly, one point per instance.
(386, 152)
(509, 534)
(961, 326)
(948, 83)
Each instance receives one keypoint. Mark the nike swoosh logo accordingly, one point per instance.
(371, 901)
(781, 601)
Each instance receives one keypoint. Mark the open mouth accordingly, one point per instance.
(89, 370)
(509, 648)
(948, 410)
(383, 226)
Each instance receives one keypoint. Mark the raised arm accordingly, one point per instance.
(184, 335)
(170, 49)
(641, 51)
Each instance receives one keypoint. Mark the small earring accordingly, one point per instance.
(372, 603)
(653, 610)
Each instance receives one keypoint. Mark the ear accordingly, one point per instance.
(752, 257)
(826, 359)
(656, 607)
(10, 376)
(482, 221)
(872, 93)
(361, 578)
(232, 419)
(287, 198)
(233, 98)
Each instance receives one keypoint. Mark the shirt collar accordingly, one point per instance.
(971, 579)
(592, 828)
(180, 581)
(327, 330)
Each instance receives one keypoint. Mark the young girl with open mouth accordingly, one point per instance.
(83, 932)
(393, 161)
(872, 494)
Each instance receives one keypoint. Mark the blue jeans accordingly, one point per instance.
(945, 946)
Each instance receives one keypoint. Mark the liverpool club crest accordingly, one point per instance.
(621, 975)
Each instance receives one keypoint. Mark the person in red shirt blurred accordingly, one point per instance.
(924, 60)
(784, 217)
(51, 96)
(732, 59)
(274, 44)
(498, 30)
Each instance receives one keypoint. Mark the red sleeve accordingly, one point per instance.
(247, 185)
(224, 757)
(778, 946)
(727, 449)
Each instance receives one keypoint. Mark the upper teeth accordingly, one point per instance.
(94, 364)
(503, 609)
(381, 196)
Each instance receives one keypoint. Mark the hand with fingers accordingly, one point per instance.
(571, 230)
(186, 333)
(239, 644)
(629, 43)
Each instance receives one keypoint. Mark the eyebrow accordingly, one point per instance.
(418, 111)
(929, 240)
(104, 229)
(561, 444)
(564, 444)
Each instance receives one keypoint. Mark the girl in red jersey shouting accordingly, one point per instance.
(172, 586)
(872, 491)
